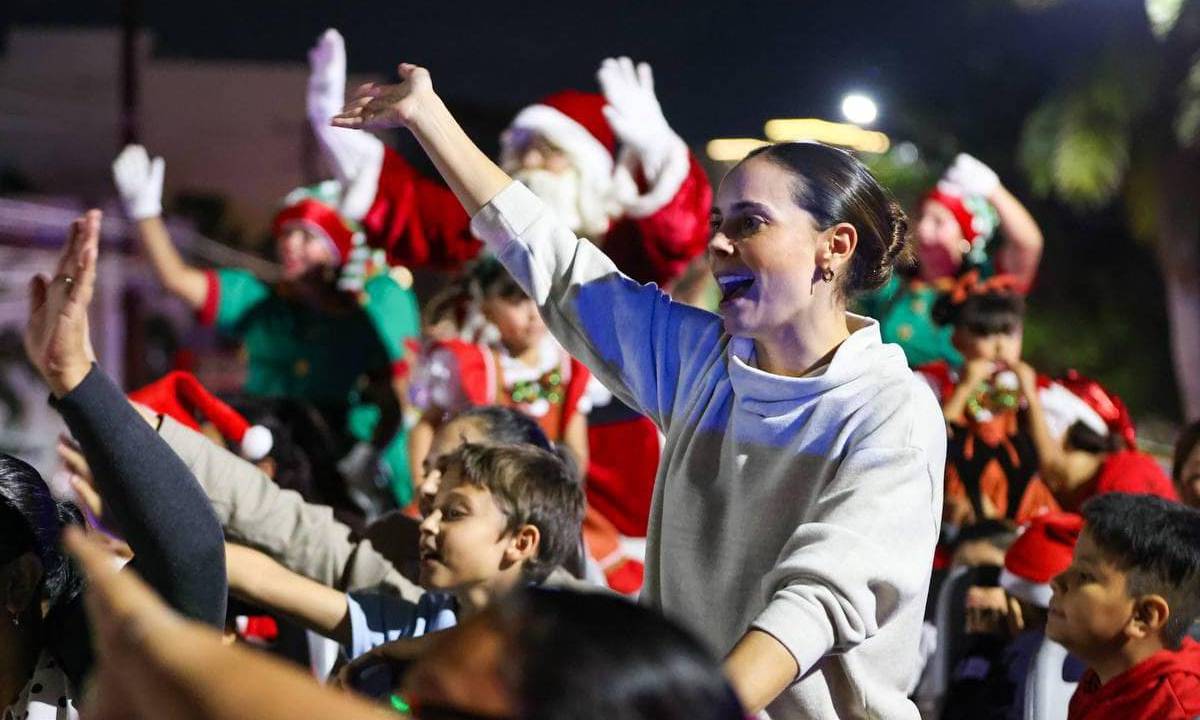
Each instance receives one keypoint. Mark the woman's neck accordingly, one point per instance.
(18, 655)
(797, 349)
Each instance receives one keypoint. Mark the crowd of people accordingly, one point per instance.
(795, 425)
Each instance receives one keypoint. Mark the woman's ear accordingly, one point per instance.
(524, 544)
(20, 583)
(843, 239)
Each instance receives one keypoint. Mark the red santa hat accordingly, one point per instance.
(573, 121)
(1075, 398)
(1042, 551)
(180, 395)
(314, 208)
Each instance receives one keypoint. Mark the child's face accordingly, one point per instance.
(1189, 479)
(447, 439)
(1091, 607)
(464, 539)
(1001, 348)
(517, 320)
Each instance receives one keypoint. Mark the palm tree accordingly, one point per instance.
(1126, 128)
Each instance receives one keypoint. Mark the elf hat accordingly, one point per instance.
(314, 208)
(180, 395)
(1039, 554)
(975, 216)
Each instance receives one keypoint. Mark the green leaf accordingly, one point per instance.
(1163, 14)
(1187, 119)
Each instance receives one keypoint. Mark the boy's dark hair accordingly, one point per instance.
(593, 656)
(987, 313)
(1157, 543)
(532, 487)
(488, 278)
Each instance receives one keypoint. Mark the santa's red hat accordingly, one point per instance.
(1042, 551)
(180, 395)
(1075, 398)
(573, 121)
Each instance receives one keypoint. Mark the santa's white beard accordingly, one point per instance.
(579, 207)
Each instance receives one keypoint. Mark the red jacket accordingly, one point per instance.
(1165, 686)
(421, 224)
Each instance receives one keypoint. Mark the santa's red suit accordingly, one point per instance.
(647, 203)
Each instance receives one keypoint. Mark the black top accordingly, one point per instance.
(159, 506)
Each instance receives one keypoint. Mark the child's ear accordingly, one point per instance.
(1150, 615)
(524, 544)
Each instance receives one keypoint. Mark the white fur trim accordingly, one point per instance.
(257, 442)
(362, 188)
(665, 179)
(1029, 591)
(589, 154)
(1064, 408)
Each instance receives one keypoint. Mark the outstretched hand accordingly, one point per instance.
(56, 338)
(327, 76)
(378, 106)
(633, 109)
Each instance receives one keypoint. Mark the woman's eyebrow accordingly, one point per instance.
(752, 206)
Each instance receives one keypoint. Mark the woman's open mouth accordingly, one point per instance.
(734, 286)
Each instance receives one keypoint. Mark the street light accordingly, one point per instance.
(859, 109)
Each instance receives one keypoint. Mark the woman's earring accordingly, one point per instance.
(16, 619)
(827, 274)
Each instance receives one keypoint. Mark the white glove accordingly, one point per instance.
(972, 176)
(327, 77)
(139, 181)
(633, 110)
(356, 157)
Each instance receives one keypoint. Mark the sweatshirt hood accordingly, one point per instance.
(861, 354)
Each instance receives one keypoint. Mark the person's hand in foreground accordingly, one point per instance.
(56, 338)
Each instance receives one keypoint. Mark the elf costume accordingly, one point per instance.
(322, 351)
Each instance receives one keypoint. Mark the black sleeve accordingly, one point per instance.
(161, 509)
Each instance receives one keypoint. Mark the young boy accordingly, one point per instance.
(1124, 607)
(504, 516)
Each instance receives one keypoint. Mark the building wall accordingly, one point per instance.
(235, 129)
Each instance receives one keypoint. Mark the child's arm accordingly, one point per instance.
(139, 181)
(1053, 464)
(575, 437)
(255, 577)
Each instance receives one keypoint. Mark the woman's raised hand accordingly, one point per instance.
(56, 338)
(377, 106)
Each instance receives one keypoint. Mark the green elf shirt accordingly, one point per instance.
(298, 351)
(904, 311)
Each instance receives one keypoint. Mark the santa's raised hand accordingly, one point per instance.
(327, 76)
(56, 338)
(634, 112)
(378, 106)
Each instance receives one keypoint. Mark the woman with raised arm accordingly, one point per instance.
(797, 504)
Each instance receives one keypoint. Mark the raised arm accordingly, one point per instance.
(630, 335)
(139, 181)
(153, 498)
(256, 578)
(1021, 251)
(254, 511)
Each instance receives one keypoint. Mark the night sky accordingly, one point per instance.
(966, 69)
